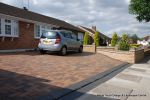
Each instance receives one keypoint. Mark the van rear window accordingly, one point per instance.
(50, 35)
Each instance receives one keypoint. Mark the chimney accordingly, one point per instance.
(94, 28)
(25, 8)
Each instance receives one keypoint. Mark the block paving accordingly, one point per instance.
(29, 75)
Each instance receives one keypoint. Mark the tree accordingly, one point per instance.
(140, 8)
(96, 38)
(124, 37)
(86, 38)
(124, 44)
(114, 39)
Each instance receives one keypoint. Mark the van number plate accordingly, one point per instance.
(47, 42)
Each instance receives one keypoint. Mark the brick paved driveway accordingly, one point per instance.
(31, 75)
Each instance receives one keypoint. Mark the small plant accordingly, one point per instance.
(96, 38)
(124, 45)
(114, 40)
(135, 45)
(86, 38)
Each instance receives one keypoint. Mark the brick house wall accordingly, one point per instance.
(25, 40)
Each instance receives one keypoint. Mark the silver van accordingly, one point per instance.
(60, 41)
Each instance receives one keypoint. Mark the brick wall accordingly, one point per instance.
(106, 48)
(89, 48)
(25, 40)
(139, 55)
(147, 52)
(126, 56)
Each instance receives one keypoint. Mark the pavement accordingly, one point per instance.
(128, 83)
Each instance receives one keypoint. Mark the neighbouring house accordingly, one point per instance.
(145, 41)
(103, 38)
(21, 28)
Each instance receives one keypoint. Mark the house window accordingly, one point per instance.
(80, 36)
(43, 29)
(16, 28)
(7, 21)
(8, 28)
(40, 29)
(37, 30)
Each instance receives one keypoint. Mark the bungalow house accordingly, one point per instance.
(103, 38)
(20, 29)
(145, 41)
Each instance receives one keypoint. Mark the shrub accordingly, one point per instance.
(96, 38)
(124, 37)
(124, 45)
(114, 39)
(86, 38)
(135, 45)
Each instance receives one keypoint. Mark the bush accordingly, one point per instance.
(114, 40)
(124, 37)
(96, 38)
(135, 45)
(124, 45)
(86, 38)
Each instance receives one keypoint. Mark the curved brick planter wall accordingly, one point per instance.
(133, 56)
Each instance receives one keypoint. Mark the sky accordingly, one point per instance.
(108, 16)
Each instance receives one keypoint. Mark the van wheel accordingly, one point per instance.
(80, 49)
(42, 51)
(63, 51)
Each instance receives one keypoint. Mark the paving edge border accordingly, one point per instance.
(79, 85)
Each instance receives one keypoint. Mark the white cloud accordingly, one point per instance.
(35, 2)
(127, 1)
(108, 15)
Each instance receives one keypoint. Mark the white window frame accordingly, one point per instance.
(43, 27)
(14, 28)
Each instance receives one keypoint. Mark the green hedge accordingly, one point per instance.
(124, 44)
(135, 45)
(114, 40)
(96, 38)
(86, 38)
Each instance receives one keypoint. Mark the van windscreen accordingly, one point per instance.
(49, 35)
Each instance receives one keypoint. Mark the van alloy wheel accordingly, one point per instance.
(63, 51)
(80, 49)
